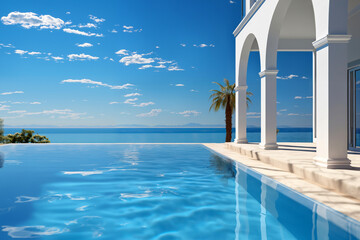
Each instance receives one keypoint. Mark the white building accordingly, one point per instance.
(331, 30)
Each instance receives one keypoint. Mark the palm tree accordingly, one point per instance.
(225, 99)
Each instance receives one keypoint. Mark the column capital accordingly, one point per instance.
(269, 72)
(325, 41)
(241, 88)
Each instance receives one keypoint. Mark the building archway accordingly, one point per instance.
(321, 27)
(250, 43)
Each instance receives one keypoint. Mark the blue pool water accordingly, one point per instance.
(122, 191)
(158, 135)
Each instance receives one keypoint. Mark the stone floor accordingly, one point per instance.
(292, 165)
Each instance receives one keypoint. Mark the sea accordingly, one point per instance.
(158, 135)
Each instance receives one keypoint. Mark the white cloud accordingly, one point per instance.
(34, 53)
(88, 34)
(6, 45)
(17, 112)
(160, 66)
(81, 57)
(146, 66)
(193, 90)
(114, 31)
(132, 95)
(131, 100)
(231, 1)
(291, 76)
(131, 29)
(293, 114)
(64, 113)
(91, 82)
(189, 113)
(300, 97)
(152, 113)
(4, 107)
(254, 115)
(113, 102)
(10, 93)
(135, 58)
(129, 58)
(68, 13)
(57, 58)
(283, 110)
(125, 86)
(175, 68)
(204, 45)
(179, 85)
(88, 25)
(183, 44)
(22, 102)
(30, 20)
(110, 59)
(122, 52)
(21, 52)
(157, 47)
(144, 104)
(18, 102)
(96, 19)
(151, 66)
(84, 44)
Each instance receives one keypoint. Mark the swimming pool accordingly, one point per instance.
(149, 191)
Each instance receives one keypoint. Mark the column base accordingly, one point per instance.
(268, 146)
(344, 163)
(238, 141)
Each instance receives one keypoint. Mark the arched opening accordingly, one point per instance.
(248, 115)
(253, 81)
(292, 36)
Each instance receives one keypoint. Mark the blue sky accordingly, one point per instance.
(131, 62)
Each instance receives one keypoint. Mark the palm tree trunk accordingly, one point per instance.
(228, 122)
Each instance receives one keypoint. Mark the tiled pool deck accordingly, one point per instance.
(293, 163)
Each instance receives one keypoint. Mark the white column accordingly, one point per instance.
(331, 68)
(240, 115)
(268, 109)
(314, 98)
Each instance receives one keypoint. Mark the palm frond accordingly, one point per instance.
(226, 95)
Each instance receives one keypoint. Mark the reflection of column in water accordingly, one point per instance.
(263, 209)
(321, 222)
(2, 159)
(242, 219)
(313, 222)
(237, 210)
(269, 195)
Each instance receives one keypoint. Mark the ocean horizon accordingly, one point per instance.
(157, 134)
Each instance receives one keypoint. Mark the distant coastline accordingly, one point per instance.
(156, 134)
(138, 127)
(173, 127)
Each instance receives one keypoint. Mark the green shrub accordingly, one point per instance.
(25, 136)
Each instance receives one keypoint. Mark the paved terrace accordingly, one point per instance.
(292, 164)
